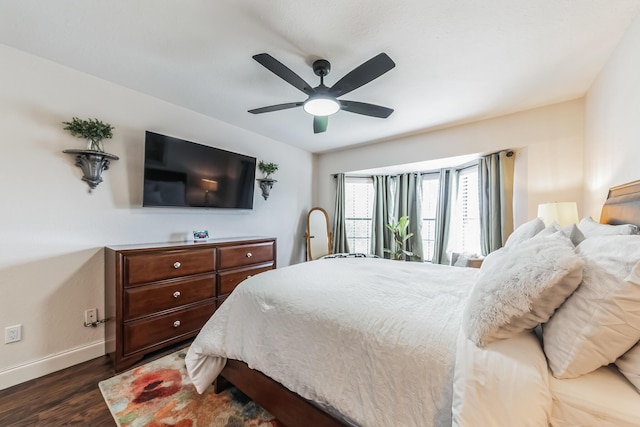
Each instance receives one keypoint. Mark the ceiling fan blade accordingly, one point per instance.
(278, 107)
(320, 123)
(363, 74)
(281, 70)
(366, 109)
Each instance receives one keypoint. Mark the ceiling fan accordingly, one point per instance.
(322, 100)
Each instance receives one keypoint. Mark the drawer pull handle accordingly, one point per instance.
(176, 323)
(176, 294)
(176, 264)
(249, 254)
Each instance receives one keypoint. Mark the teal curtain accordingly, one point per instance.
(340, 243)
(495, 174)
(381, 236)
(408, 202)
(444, 211)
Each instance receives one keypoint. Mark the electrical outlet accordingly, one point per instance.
(12, 333)
(90, 316)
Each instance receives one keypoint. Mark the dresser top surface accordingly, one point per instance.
(192, 244)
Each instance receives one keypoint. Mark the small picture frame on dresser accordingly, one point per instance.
(201, 236)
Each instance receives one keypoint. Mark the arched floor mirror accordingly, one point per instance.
(318, 236)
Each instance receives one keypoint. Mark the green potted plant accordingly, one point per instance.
(399, 229)
(266, 183)
(267, 169)
(93, 130)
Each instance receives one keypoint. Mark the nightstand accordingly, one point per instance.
(475, 262)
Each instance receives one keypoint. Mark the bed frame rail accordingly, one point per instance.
(290, 409)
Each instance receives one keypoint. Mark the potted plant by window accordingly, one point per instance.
(399, 229)
(266, 183)
(92, 160)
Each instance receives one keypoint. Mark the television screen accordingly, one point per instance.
(183, 173)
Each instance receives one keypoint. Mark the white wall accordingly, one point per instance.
(52, 230)
(548, 143)
(612, 135)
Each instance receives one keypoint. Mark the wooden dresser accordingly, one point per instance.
(160, 294)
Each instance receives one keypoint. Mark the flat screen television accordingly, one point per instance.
(179, 173)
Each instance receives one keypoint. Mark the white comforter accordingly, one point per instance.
(372, 339)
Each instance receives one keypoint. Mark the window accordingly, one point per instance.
(358, 212)
(465, 230)
(464, 226)
(430, 190)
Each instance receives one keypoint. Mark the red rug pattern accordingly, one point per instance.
(160, 394)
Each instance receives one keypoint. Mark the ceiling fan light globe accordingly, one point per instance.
(321, 106)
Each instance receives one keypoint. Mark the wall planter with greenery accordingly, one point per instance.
(92, 160)
(266, 183)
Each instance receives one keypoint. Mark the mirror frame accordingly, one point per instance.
(308, 236)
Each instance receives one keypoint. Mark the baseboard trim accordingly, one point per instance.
(52, 363)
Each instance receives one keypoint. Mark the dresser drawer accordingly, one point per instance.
(145, 300)
(167, 265)
(228, 280)
(142, 334)
(237, 256)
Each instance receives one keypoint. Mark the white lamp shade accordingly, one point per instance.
(564, 213)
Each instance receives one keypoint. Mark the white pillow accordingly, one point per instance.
(519, 287)
(601, 320)
(571, 231)
(629, 365)
(524, 232)
(463, 260)
(591, 228)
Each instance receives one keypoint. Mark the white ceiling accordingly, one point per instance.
(456, 60)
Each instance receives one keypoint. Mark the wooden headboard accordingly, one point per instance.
(622, 205)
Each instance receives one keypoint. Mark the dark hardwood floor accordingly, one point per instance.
(67, 397)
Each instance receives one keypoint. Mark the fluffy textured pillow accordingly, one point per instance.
(520, 286)
(525, 232)
(601, 320)
(629, 365)
(590, 228)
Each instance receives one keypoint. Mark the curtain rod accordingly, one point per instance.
(510, 153)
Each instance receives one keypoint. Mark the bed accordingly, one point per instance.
(373, 342)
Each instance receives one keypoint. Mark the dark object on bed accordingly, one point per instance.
(350, 255)
(622, 207)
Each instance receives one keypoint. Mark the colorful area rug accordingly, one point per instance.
(160, 394)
